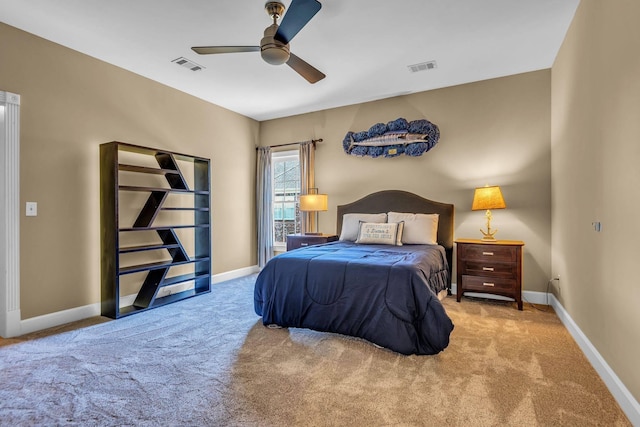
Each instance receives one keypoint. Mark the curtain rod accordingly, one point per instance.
(314, 141)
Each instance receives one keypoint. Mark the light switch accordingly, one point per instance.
(32, 208)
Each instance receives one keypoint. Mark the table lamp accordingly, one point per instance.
(487, 198)
(314, 202)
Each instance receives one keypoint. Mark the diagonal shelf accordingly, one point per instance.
(142, 248)
(158, 264)
(160, 189)
(144, 169)
(159, 302)
(185, 209)
(169, 281)
(165, 227)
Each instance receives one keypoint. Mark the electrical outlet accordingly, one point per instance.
(556, 279)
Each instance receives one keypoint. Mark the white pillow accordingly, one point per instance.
(351, 224)
(419, 229)
(382, 233)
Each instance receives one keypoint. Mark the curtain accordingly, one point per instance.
(264, 212)
(307, 160)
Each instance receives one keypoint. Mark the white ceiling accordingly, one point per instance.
(363, 46)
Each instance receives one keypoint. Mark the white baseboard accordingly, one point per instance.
(234, 274)
(527, 296)
(58, 318)
(623, 396)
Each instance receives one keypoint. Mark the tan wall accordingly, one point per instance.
(595, 176)
(71, 103)
(492, 132)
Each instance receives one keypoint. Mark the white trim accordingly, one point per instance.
(10, 215)
(623, 396)
(533, 297)
(58, 318)
(234, 274)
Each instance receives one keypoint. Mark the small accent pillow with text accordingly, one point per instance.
(419, 229)
(351, 224)
(380, 233)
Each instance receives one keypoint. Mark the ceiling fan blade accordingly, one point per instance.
(300, 12)
(209, 50)
(310, 73)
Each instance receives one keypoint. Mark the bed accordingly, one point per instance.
(386, 293)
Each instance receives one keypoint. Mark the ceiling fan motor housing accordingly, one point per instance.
(273, 51)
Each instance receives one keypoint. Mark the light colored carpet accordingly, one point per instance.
(208, 361)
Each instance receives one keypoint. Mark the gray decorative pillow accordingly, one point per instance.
(385, 233)
(351, 224)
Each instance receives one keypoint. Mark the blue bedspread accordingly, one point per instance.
(384, 294)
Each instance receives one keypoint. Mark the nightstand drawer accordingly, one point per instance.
(495, 269)
(488, 253)
(489, 284)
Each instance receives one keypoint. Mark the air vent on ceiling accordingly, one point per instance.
(423, 66)
(188, 64)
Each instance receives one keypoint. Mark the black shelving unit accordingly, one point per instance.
(119, 179)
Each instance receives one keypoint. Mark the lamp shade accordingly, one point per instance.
(313, 202)
(486, 198)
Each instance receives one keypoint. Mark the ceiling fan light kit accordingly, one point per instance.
(274, 46)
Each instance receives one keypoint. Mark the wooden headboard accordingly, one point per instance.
(403, 201)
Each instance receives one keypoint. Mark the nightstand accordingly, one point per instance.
(489, 267)
(295, 241)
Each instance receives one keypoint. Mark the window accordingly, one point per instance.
(286, 191)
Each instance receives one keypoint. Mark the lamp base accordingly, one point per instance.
(488, 235)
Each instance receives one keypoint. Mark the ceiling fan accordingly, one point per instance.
(274, 46)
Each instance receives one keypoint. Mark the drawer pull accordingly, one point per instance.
(487, 268)
(488, 284)
(487, 253)
(304, 244)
